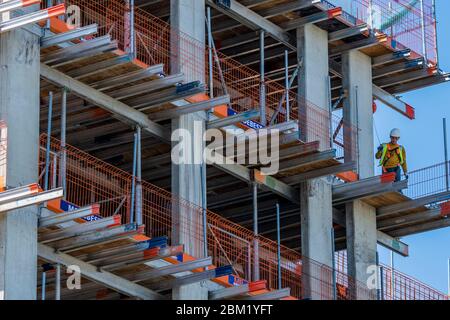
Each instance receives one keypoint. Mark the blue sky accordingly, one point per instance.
(423, 140)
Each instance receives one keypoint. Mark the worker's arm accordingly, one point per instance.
(379, 152)
(404, 165)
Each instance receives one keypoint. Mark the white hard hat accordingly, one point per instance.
(395, 133)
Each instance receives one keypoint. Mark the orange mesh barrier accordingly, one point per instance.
(396, 285)
(90, 180)
(159, 43)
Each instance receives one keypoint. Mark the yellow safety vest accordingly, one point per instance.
(385, 150)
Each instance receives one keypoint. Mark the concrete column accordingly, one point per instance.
(19, 108)
(315, 195)
(360, 217)
(358, 111)
(188, 57)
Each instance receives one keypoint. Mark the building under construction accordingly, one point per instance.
(93, 94)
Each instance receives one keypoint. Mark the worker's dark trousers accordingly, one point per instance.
(398, 173)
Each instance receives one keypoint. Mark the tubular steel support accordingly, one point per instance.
(132, 31)
(381, 283)
(392, 276)
(210, 52)
(262, 94)
(138, 177)
(255, 231)
(204, 211)
(58, 282)
(49, 135)
(333, 264)
(422, 25)
(133, 180)
(448, 269)
(54, 171)
(378, 281)
(278, 246)
(44, 279)
(286, 83)
(444, 123)
(63, 159)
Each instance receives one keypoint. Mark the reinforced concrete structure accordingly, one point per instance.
(112, 155)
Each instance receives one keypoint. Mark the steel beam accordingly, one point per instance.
(122, 79)
(104, 278)
(93, 237)
(253, 21)
(78, 229)
(190, 108)
(292, 164)
(271, 295)
(68, 216)
(380, 94)
(184, 280)
(347, 32)
(405, 77)
(227, 293)
(31, 200)
(231, 120)
(313, 18)
(56, 39)
(169, 270)
(412, 204)
(391, 57)
(404, 220)
(434, 225)
(393, 244)
(119, 110)
(361, 44)
(393, 102)
(343, 167)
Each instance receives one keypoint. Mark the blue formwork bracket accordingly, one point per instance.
(160, 242)
(223, 271)
(182, 88)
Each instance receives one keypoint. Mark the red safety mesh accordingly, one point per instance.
(395, 284)
(90, 180)
(159, 43)
(401, 20)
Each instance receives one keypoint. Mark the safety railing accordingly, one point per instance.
(157, 42)
(410, 23)
(428, 181)
(395, 285)
(90, 180)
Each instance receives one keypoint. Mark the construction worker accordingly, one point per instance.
(393, 156)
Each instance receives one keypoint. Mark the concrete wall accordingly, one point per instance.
(19, 107)
(189, 17)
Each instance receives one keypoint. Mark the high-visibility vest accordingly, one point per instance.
(385, 150)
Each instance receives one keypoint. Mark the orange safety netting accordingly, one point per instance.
(395, 285)
(90, 180)
(157, 42)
